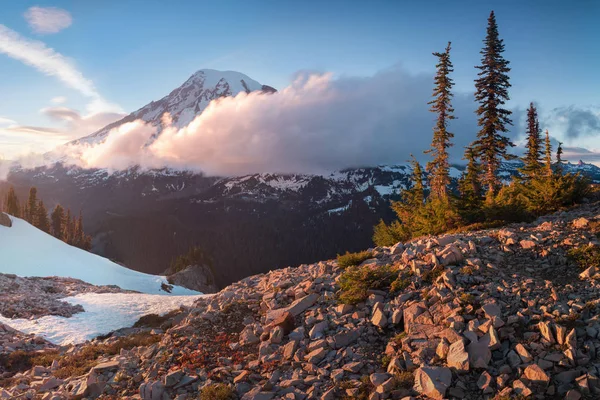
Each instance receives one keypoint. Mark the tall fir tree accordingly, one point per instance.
(42, 221)
(548, 158)
(532, 164)
(559, 160)
(83, 241)
(31, 209)
(439, 167)
(11, 203)
(58, 220)
(492, 86)
(68, 228)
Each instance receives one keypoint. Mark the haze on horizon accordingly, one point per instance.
(63, 75)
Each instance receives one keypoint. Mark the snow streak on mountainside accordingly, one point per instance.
(187, 101)
(27, 251)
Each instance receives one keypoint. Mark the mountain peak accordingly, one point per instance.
(188, 100)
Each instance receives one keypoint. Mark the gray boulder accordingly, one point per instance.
(5, 220)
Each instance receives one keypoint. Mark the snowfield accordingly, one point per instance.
(27, 251)
(104, 313)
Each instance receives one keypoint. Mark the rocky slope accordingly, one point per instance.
(501, 312)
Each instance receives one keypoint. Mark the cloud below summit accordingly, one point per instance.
(318, 123)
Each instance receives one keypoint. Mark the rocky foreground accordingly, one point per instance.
(502, 313)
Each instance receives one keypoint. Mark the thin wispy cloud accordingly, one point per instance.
(49, 62)
(58, 100)
(47, 20)
(34, 130)
(6, 121)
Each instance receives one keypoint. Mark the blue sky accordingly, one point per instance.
(136, 51)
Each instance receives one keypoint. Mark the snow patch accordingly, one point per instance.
(28, 251)
(104, 313)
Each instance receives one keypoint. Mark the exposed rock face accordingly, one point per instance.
(195, 277)
(500, 320)
(5, 220)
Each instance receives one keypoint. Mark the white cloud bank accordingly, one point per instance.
(46, 20)
(316, 124)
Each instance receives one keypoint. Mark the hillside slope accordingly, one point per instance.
(146, 218)
(501, 313)
(27, 251)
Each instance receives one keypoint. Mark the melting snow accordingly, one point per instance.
(27, 251)
(103, 313)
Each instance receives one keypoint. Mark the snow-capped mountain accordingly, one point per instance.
(188, 100)
(28, 251)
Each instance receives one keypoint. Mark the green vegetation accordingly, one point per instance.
(385, 361)
(467, 299)
(585, 257)
(353, 259)
(430, 276)
(482, 198)
(405, 380)
(402, 282)
(217, 391)
(20, 360)
(62, 226)
(399, 337)
(194, 256)
(467, 270)
(356, 281)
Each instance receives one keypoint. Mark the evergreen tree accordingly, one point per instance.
(68, 228)
(439, 167)
(80, 239)
(58, 221)
(548, 165)
(559, 165)
(415, 196)
(532, 164)
(31, 209)
(11, 203)
(469, 187)
(492, 86)
(43, 223)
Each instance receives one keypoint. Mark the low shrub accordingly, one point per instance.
(402, 282)
(356, 281)
(467, 299)
(19, 361)
(405, 380)
(585, 256)
(216, 391)
(431, 275)
(352, 259)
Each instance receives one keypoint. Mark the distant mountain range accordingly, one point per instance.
(250, 224)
